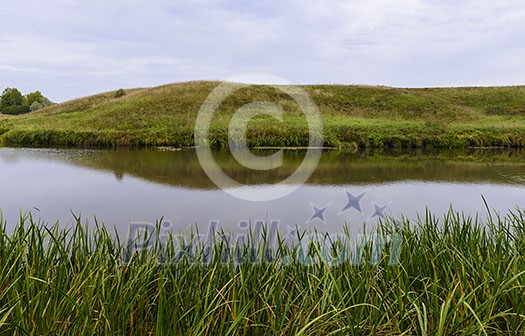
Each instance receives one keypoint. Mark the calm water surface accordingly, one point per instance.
(123, 186)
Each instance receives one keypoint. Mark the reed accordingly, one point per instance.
(450, 275)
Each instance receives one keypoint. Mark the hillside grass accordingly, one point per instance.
(353, 116)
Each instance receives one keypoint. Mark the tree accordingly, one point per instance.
(13, 102)
(37, 101)
(36, 106)
(120, 93)
(36, 96)
(11, 97)
(16, 109)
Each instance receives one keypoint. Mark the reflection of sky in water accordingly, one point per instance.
(56, 188)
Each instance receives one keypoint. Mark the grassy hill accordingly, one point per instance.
(352, 116)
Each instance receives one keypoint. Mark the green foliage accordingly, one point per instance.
(37, 101)
(37, 105)
(454, 275)
(119, 93)
(34, 97)
(13, 102)
(15, 110)
(11, 97)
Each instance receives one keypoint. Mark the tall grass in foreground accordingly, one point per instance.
(455, 275)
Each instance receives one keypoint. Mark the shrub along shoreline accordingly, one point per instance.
(353, 116)
(335, 137)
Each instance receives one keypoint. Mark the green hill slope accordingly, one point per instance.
(352, 116)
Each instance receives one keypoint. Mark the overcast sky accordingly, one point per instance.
(72, 48)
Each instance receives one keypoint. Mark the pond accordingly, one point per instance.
(121, 186)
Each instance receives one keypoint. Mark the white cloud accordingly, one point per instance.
(70, 48)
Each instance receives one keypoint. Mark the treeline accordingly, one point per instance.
(13, 101)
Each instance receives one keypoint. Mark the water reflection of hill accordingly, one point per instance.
(182, 168)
